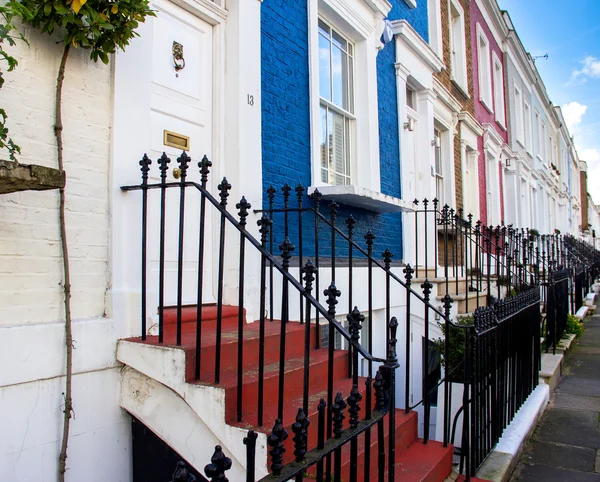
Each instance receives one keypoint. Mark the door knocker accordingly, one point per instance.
(178, 60)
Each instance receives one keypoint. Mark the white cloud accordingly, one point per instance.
(573, 113)
(590, 68)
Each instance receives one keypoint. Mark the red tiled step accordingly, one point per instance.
(229, 345)
(406, 434)
(431, 462)
(209, 313)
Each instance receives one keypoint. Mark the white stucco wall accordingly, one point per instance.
(31, 297)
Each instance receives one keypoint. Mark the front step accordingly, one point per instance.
(231, 438)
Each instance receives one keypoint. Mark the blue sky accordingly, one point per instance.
(569, 32)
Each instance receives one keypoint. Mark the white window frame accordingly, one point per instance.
(538, 136)
(358, 25)
(484, 69)
(439, 173)
(543, 153)
(498, 79)
(435, 27)
(527, 125)
(519, 127)
(458, 51)
(346, 114)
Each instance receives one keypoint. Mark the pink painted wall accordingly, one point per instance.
(482, 114)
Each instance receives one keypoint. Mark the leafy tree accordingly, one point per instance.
(8, 36)
(102, 27)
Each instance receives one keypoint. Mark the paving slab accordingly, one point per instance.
(544, 473)
(559, 455)
(575, 402)
(571, 427)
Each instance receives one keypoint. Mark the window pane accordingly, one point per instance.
(339, 41)
(324, 28)
(324, 68)
(324, 143)
(351, 85)
(339, 69)
(338, 144)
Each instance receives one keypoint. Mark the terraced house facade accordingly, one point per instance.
(277, 210)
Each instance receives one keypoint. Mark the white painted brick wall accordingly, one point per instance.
(30, 254)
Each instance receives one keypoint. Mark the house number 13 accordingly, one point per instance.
(250, 99)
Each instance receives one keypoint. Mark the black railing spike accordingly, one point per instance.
(393, 340)
(163, 166)
(300, 429)
(460, 213)
(243, 206)
(387, 258)
(416, 202)
(350, 223)
(332, 294)
(224, 188)
(316, 197)
(470, 219)
(333, 209)
(435, 203)
(447, 303)
(271, 193)
(264, 224)
(354, 406)
(309, 271)
(184, 162)
(220, 464)
(204, 166)
(286, 190)
(425, 203)
(378, 386)
(182, 474)
(278, 436)
(299, 191)
(355, 319)
(286, 249)
(370, 239)
(408, 274)
(337, 409)
(426, 286)
(145, 167)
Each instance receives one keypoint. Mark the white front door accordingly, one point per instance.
(157, 107)
(181, 106)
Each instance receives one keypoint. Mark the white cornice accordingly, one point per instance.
(490, 134)
(445, 96)
(381, 6)
(493, 18)
(471, 123)
(407, 34)
(520, 58)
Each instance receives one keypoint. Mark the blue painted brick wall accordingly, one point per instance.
(286, 123)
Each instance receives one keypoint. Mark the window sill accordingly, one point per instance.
(352, 195)
(461, 89)
(486, 104)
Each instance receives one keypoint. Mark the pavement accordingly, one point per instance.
(565, 445)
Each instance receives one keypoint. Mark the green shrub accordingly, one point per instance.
(574, 326)
(456, 348)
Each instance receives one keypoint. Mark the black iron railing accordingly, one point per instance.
(501, 341)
